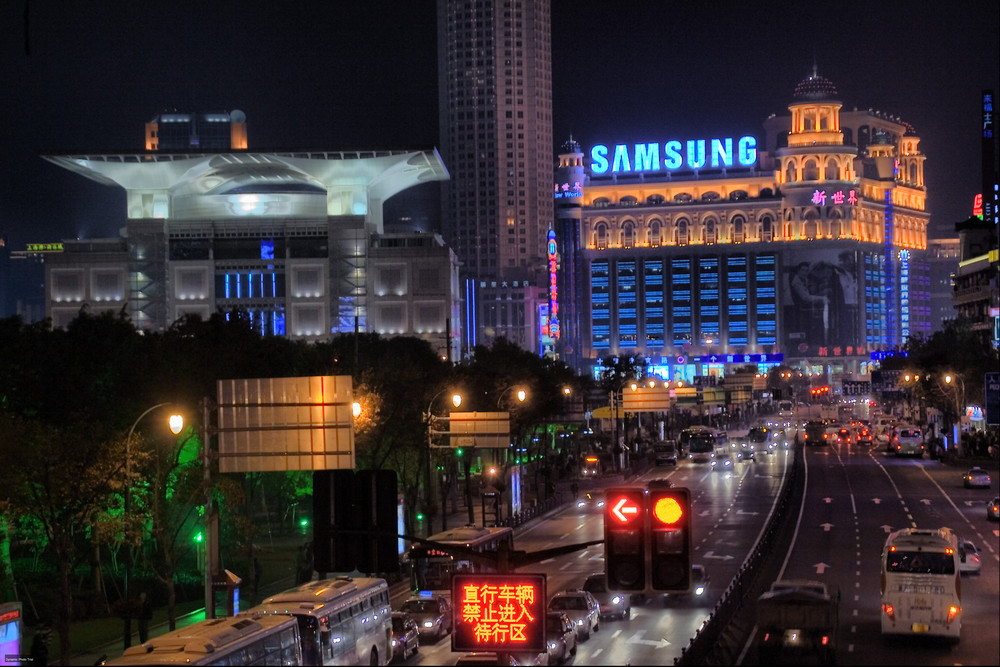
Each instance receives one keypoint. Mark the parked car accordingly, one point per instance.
(613, 605)
(968, 554)
(405, 635)
(582, 608)
(560, 637)
(976, 478)
(432, 614)
(993, 509)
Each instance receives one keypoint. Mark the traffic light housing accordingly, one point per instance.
(669, 538)
(625, 538)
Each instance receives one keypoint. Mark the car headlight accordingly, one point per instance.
(428, 624)
(699, 590)
(616, 599)
(579, 621)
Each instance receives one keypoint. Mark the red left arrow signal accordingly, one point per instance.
(625, 509)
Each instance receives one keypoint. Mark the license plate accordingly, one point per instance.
(921, 627)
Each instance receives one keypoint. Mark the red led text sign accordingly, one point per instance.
(498, 612)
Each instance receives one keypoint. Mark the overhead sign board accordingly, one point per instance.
(280, 424)
(499, 612)
(646, 399)
(490, 430)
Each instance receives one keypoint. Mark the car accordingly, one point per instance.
(993, 509)
(976, 478)
(968, 556)
(405, 635)
(699, 579)
(613, 605)
(844, 436)
(665, 453)
(560, 637)
(432, 614)
(582, 608)
(592, 501)
(864, 436)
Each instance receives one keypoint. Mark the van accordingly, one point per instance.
(908, 440)
(665, 453)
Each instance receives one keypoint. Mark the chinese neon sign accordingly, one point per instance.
(820, 196)
(696, 154)
(553, 257)
(568, 190)
(498, 612)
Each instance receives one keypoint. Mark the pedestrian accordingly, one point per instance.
(40, 647)
(145, 615)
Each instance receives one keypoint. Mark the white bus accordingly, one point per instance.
(431, 566)
(342, 621)
(250, 639)
(921, 588)
(705, 445)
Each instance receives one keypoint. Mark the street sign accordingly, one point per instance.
(992, 386)
(483, 430)
(499, 612)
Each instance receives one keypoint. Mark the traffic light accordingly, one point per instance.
(625, 538)
(669, 538)
(354, 521)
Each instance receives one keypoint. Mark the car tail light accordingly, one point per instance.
(953, 611)
(889, 611)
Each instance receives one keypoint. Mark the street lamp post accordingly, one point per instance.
(957, 386)
(456, 400)
(176, 423)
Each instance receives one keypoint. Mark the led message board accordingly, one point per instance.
(498, 612)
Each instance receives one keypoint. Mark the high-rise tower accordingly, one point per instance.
(495, 114)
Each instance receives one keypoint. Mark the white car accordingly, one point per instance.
(976, 478)
(582, 608)
(969, 562)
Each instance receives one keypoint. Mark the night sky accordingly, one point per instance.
(87, 75)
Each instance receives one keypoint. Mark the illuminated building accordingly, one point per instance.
(292, 241)
(495, 117)
(702, 253)
(172, 131)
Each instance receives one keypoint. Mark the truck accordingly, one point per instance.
(797, 619)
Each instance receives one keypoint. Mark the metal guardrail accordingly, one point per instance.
(721, 638)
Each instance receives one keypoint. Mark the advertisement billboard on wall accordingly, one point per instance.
(820, 296)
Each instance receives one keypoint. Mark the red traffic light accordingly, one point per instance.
(625, 508)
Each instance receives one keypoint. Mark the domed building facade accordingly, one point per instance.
(804, 247)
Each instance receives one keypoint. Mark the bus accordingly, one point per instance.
(341, 621)
(246, 639)
(704, 444)
(431, 567)
(921, 589)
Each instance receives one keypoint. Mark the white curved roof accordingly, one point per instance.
(370, 175)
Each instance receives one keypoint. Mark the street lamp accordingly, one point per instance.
(957, 386)
(521, 394)
(176, 423)
(456, 400)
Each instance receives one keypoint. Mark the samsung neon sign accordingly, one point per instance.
(699, 153)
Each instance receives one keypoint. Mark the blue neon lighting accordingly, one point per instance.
(643, 157)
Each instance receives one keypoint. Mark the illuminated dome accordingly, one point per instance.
(815, 87)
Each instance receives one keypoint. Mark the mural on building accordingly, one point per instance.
(820, 300)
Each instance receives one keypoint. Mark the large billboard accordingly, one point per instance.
(820, 297)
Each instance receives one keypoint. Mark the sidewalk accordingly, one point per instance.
(100, 638)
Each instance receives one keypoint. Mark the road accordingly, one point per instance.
(854, 497)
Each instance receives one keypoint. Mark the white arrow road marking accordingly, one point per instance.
(637, 639)
(826, 527)
(821, 567)
(709, 554)
(877, 501)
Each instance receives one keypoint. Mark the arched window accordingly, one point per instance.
(628, 200)
(683, 197)
(810, 170)
(913, 172)
(738, 229)
(602, 202)
(601, 232)
(811, 228)
(790, 172)
(628, 234)
(836, 228)
(832, 172)
(682, 232)
(710, 231)
(765, 228)
(654, 199)
(654, 233)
